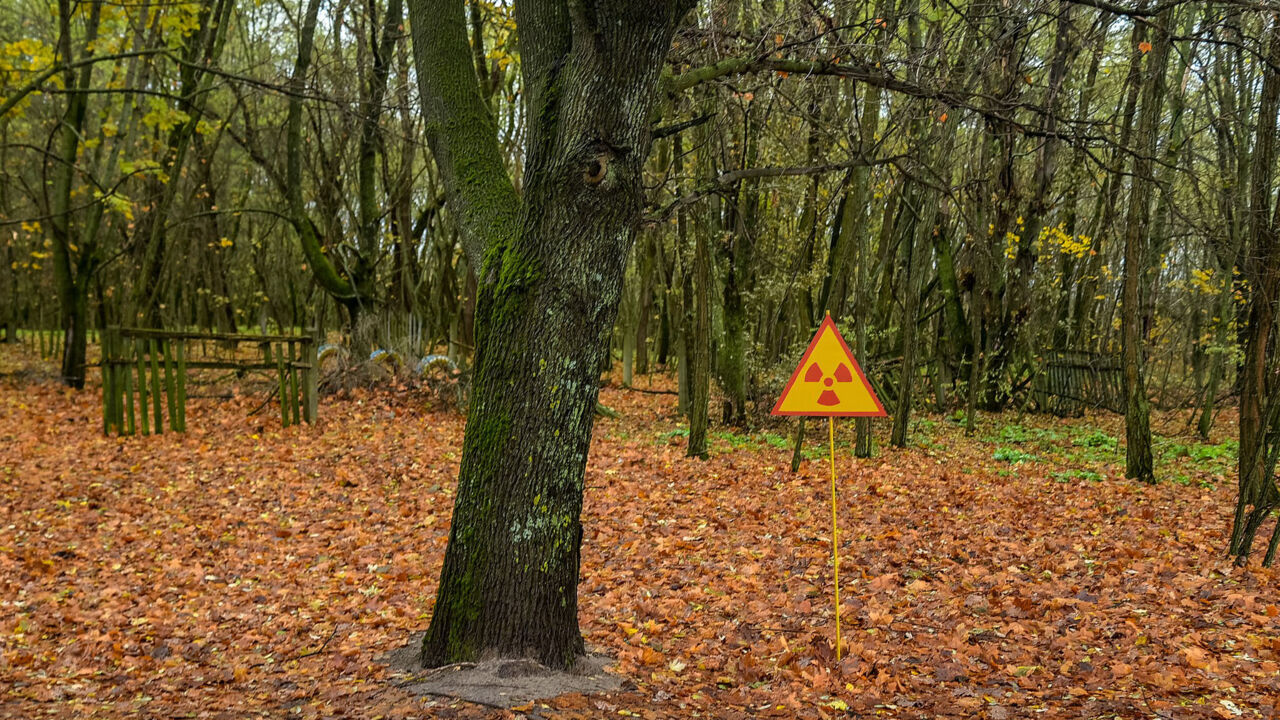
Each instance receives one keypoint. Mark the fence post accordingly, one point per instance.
(142, 385)
(182, 386)
(155, 389)
(124, 384)
(310, 375)
(294, 399)
(170, 384)
(284, 399)
(108, 388)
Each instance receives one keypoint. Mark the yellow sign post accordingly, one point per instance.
(829, 383)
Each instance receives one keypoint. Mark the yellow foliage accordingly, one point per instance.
(163, 117)
(1204, 281)
(1011, 242)
(182, 19)
(117, 203)
(1059, 240)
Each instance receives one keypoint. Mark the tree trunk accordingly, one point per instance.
(546, 307)
(1139, 464)
(202, 50)
(75, 326)
(1216, 362)
(645, 273)
(698, 334)
(737, 250)
(1259, 310)
(922, 223)
(74, 243)
(322, 267)
(1257, 488)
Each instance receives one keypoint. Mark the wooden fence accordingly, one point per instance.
(46, 341)
(145, 374)
(1072, 380)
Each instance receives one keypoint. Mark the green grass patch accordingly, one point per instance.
(1218, 459)
(1012, 455)
(776, 441)
(1020, 434)
(1097, 439)
(1066, 476)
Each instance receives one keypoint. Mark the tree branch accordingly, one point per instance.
(35, 83)
(730, 178)
(672, 129)
(460, 129)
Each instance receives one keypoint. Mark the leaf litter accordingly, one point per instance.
(241, 570)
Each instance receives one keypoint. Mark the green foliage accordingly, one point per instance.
(1202, 460)
(1066, 476)
(1097, 439)
(1013, 456)
(1014, 434)
(776, 441)
(1019, 434)
(735, 440)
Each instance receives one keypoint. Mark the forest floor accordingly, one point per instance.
(240, 570)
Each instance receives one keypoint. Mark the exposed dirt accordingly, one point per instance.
(499, 683)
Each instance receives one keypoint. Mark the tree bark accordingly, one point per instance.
(1139, 464)
(75, 255)
(546, 306)
(699, 351)
(1262, 270)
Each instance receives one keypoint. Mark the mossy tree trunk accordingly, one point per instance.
(1258, 495)
(857, 221)
(911, 240)
(1138, 460)
(546, 305)
(74, 231)
(699, 350)
(646, 277)
(736, 249)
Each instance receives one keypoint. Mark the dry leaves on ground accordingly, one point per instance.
(240, 570)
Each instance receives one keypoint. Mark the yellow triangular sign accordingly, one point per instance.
(828, 381)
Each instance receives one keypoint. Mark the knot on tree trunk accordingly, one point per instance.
(600, 166)
(597, 170)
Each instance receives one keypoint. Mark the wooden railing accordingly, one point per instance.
(1072, 380)
(145, 374)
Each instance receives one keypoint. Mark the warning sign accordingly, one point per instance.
(828, 381)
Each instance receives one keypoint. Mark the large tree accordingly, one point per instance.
(552, 261)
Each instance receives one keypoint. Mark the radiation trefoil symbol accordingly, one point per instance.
(828, 397)
(828, 381)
